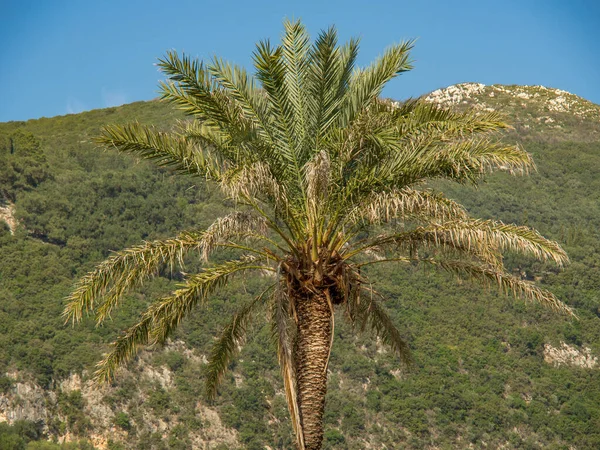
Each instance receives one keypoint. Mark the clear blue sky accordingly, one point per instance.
(59, 57)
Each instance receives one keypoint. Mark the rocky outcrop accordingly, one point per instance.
(568, 355)
(7, 215)
(497, 97)
(26, 400)
(456, 94)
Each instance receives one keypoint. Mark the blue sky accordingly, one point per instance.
(60, 57)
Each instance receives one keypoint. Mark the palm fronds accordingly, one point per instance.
(125, 270)
(327, 70)
(255, 181)
(129, 268)
(164, 149)
(271, 70)
(507, 284)
(316, 175)
(231, 338)
(295, 46)
(365, 311)
(478, 234)
(163, 316)
(465, 161)
(366, 85)
(407, 203)
(242, 89)
(192, 88)
(233, 225)
(420, 118)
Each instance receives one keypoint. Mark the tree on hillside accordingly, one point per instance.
(23, 165)
(328, 179)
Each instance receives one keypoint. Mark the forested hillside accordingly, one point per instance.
(490, 372)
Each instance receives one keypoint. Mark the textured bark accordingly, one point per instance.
(311, 348)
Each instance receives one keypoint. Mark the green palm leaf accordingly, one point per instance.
(129, 268)
(366, 85)
(163, 316)
(124, 270)
(164, 149)
(477, 235)
(507, 284)
(365, 311)
(232, 336)
(417, 117)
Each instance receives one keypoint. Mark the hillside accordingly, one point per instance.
(490, 372)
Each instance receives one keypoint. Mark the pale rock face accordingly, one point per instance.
(239, 380)
(561, 92)
(26, 400)
(453, 95)
(73, 383)
(163, 376)
(568, 355)
(380, 346)
(485, 98)
(216, 433)
(559, 104)
(7, 214)
(396, 373)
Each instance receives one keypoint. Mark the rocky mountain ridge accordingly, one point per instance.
(493, 97)
(535, 111)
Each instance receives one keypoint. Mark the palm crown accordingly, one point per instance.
(316, 162)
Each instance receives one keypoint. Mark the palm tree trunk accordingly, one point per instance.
(311, 348)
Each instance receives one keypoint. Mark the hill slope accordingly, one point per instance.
(491, 372)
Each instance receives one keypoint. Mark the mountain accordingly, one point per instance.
(491, 372)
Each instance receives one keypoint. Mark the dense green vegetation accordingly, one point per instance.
(28, 435)
(480, 374)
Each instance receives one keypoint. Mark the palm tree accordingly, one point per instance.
(328, 179)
